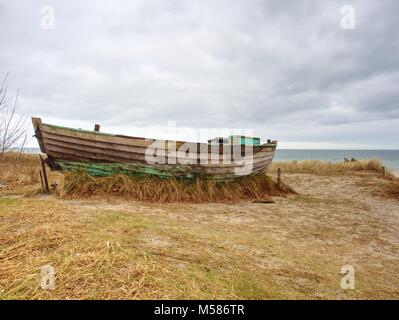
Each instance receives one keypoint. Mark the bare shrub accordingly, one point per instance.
(12, 124)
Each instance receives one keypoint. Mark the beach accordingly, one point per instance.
(115, 248)
(218, 152)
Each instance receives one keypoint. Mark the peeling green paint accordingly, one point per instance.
(109, 169)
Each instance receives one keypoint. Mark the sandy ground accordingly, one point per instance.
(294, 248)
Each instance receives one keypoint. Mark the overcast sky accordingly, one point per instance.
(286, 69)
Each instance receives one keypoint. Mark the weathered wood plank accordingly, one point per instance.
(133, 153)
(125, 140)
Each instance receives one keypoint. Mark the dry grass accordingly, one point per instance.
(392, 189)
(171, 190)
(19, 169)
(102, 254)
(293, 249)
(117, 249)
(330, 168)
(20, 174)
(388, 188)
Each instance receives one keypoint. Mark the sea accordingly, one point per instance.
(390, 158)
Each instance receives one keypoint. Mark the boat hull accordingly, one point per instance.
(103, 154)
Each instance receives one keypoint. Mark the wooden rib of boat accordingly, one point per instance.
(103, 154)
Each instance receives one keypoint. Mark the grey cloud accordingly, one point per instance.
(258, 64)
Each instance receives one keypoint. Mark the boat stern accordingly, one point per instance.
(36, 122)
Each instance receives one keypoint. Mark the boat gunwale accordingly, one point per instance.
(98, 133)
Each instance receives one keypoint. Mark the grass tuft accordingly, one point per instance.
(171, 190)
(19, 168)
(331, 168)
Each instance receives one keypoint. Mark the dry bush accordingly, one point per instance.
(171, 190)
(12, 123)
(330, 168)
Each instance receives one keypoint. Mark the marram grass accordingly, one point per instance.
(330, 168)
(171, 190)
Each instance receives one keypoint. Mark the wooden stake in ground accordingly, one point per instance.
(41, 179)
(279, 177)
(44, 174)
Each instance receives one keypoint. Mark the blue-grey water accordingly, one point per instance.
(389, 157)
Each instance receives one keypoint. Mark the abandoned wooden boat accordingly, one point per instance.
(103, 154)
